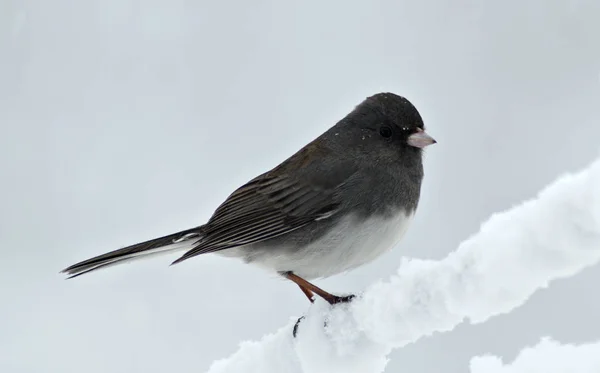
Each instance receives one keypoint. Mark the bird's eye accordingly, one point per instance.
(385, 131)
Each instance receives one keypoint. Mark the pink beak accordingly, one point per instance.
(420, 139)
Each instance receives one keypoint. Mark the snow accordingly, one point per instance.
(514, 254)
(548, 356)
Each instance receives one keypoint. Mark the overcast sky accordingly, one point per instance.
(122, 120)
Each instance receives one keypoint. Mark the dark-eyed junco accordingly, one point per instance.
(341, 201)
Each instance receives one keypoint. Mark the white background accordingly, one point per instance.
(124, 120)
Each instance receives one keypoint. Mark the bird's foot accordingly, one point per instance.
(332, 300)
(335, 299)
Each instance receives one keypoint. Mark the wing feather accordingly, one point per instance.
(275, 203)
(258, 212)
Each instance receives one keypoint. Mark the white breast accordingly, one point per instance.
(350, 245)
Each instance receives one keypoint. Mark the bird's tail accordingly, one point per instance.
(173, 242)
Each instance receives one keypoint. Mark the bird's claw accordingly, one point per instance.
(295, 330)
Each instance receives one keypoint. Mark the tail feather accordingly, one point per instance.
(173, 242)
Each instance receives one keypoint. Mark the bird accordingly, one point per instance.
(338, 203)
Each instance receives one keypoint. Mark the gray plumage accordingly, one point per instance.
(357, 184)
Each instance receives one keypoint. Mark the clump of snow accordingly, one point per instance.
(515, 253)
(274, 353)
(548, 357)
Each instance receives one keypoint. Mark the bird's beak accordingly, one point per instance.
(420, 139)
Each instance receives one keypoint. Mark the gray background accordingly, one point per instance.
(123, 120)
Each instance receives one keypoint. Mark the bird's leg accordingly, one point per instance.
(309, 288)
(309, 294)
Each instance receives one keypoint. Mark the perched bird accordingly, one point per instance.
(341, 201)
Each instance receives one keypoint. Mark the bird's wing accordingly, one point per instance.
(275, 203)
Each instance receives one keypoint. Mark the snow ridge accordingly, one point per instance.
(548, 356)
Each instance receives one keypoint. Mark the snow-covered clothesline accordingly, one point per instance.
(515, 253)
